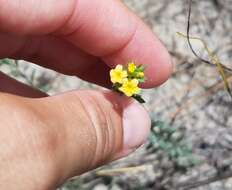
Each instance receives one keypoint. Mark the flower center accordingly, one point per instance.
(119, 74)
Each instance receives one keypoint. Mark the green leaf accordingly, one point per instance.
(173, 153)
(195, 161)
(140, 68)
(6, 61)
(169, 130)
(176, 136)
(153, 139)
(139, 99)
(141, 80)
(183, 162)
(162, 144)
(159, 124)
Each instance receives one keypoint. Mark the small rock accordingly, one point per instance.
(100, 187)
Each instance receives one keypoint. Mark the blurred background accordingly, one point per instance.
(191, 139)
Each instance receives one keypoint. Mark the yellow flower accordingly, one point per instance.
(118, 74)
(140, 74)
(131, 67)
(130, 87)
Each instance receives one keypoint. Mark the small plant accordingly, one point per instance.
(13, 67)
(41, 81)
(126, 80)
(171, 142)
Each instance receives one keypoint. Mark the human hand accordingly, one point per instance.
(46, 140)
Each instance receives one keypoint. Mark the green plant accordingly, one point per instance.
(171, 141)
(41, 81)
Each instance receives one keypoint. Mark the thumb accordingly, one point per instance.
(92, 128)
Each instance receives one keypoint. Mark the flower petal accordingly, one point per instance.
(119, 67)
(135, 82)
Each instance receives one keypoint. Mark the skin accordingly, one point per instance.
(46, 140)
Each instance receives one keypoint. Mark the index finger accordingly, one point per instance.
(109, 30)
(102, 28)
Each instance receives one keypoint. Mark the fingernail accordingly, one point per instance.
(136, 126)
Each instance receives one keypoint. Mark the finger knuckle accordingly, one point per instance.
(102, 125)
